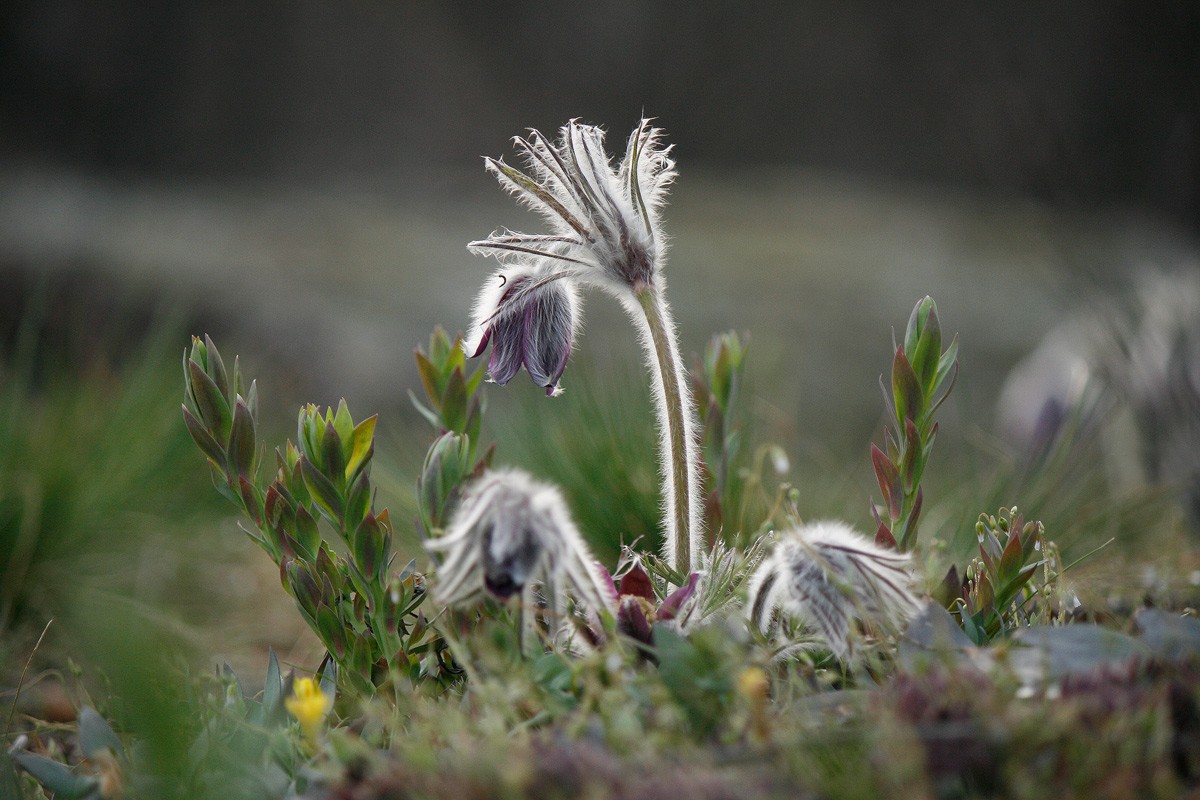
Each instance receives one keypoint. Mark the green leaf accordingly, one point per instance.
(925, 356)
(906, 389)
(252, 401)
(329, 679)
(425, 411)
(908, 537)
(370, 548)
(303, 585)
(888, 478)
(308, 432)
(95, 734)
(431, 379)
(250, 501)
(273, 687)
(216, 367)
(334, 465)
(308, 535)
(344, 424)
(454, 402)
(241, 441)
(911, 462)
(322, 491)
(363, 438)
(332, 631)
(946, 365)
(56, 777)
(203, 439)
(277, 504)
(439, 345)
(358, 500)
(916, 323)
(212, 405)
(1010, 558)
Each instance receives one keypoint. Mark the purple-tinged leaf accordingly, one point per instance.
(889, 481)
(906, 389)
(203, 439)
(884, 538)
(212, 405)
(674, 602)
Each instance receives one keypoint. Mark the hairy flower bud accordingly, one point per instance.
(530, 322)
(825, 575)
(508, 533)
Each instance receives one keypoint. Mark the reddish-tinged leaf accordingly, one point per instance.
(637, 583)
(213, 406)
(889, 481)
(906, 389)
(203, 439)
(241, 441)
(884, 538)
(675, 600)
(910, 462)
(909, 536)
(949, 590)
(1010, 559)
(250, 499)
(322, 491)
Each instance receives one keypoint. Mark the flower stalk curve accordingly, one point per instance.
(606, 233)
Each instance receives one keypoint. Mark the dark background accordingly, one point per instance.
(1079, 103)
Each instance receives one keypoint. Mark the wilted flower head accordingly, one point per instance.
(825, 575)
(530, 321)
(604, 219)
(508, 533)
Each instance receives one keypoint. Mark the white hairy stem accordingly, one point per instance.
(675, 413)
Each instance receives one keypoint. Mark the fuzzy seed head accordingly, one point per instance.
(825, 575)
(508, 533)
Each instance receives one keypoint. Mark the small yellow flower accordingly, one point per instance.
(309, 705)
(755, 688)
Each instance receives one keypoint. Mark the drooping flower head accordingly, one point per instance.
(604, 219)
(508, 533)
(605, 231)
(825, 575)
(536, 331)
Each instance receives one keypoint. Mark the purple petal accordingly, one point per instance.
(483, 343)
(632, 620)
(549, 333)
(637, 583)
(506, 333)
(607, 580)
(675, 600)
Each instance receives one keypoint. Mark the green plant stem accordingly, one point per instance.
(675, 411)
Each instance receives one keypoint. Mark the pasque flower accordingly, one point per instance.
(529, 322)
(638, 612)
(825, 575)
(508, 533)
(605, 232)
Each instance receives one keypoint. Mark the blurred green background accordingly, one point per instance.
(299, 180)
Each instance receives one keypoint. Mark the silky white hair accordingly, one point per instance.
(509, 533)
(825, 575)
(606, 232)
